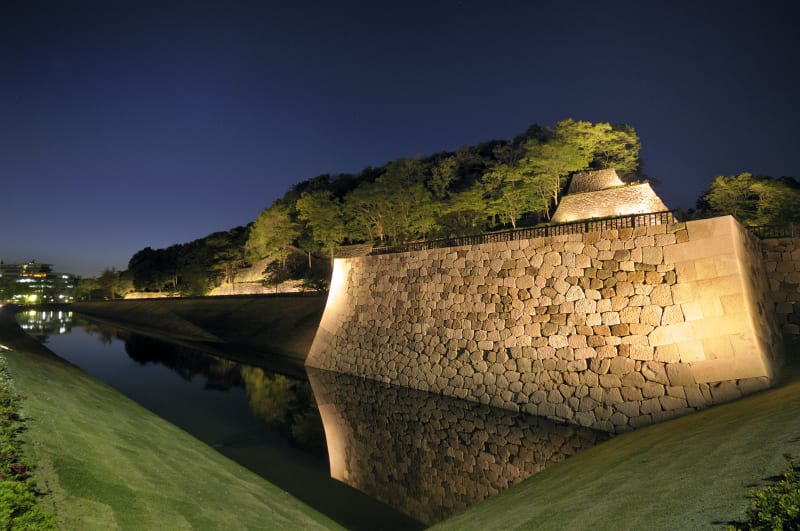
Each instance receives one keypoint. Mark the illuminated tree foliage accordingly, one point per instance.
(488, 186)
(753, 200)
(323, 214)
(273, 234)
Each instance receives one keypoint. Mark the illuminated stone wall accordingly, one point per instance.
(442, 454)
(611, 330)
(633, 199)
(782, 262)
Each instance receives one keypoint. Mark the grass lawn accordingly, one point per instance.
(105, 462)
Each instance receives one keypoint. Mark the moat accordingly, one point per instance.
(400, 458)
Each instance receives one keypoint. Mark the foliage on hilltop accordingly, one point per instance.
(488, 186)
(753, 200)
(491, 185)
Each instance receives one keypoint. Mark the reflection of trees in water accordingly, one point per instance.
(105, 333)
(285, 403)
(220, 374)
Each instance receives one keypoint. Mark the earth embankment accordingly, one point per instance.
(262, 326)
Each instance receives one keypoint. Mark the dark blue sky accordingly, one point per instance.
(126, 124)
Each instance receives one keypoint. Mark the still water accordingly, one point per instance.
(368, 455)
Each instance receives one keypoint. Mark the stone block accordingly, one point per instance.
(611, 318)
(584, 353)
(655, 372)
(618, 419)
(611, 395)
(725, 392)
(524, 282)
(652, 255)
(621, 366)
(608, 381)
(652, 405)
(667, 353)
(630, 394)
(652, 390)
(651, 315)
(619, 330)
(606, 351)
(680, 374)
(752, 385)
(585, 418)
(595, 341)
(641, 330)
(628, 315)
(661, 295)
(672, 315)
(629, 409)
(619, 302)
(633, 379)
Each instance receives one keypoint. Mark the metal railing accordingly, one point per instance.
(789, 230)
(541, 231)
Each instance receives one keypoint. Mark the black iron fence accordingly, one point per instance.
(540, 231)
(789, 230)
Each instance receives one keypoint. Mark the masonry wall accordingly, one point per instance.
(611, 330)
(632, 199)
(782, 263)
(443, 454)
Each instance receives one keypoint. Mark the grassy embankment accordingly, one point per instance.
(104, 462)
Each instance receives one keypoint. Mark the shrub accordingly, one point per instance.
(776, 506)
(18, 508)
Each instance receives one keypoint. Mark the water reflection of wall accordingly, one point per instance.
(429, 455)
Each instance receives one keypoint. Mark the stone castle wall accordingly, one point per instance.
(610, 330)
(782, 263)
(443, 454)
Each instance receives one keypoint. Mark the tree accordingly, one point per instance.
(410, 212)
(754, 200)
(603, 145)
(509, 193)
(149, 269)
(464, 213)
(324, 215)
(227, 252)
(733, 195)
(397, 205)
(109, 282)
(368, 205)
(547, 167)
(273, 234)
(442, 175)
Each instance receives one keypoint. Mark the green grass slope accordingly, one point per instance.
(689, 473)
(104, 462)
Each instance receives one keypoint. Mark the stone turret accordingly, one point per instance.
(601, 193)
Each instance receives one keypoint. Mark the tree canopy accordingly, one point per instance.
(753, 200)
(488, 186)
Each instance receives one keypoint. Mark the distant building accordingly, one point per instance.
(601, 193)
(35, 282)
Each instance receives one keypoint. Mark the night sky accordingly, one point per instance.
(127, 124)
